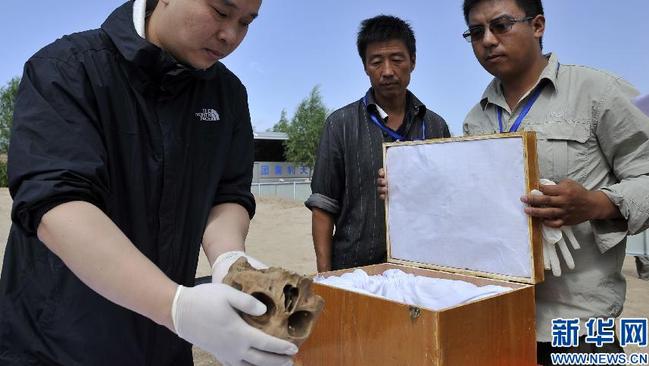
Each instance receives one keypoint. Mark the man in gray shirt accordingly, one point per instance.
(350, 152)
(592, 141)
(642, 261)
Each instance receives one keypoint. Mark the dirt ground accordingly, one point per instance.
(280, 236)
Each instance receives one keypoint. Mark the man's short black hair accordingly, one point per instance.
(531, 8)
(383, 28)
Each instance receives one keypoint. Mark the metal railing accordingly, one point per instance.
(297, 191)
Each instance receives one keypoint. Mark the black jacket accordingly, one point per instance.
(350, 154)
(105, 117)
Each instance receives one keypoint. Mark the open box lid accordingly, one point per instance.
(454, 205)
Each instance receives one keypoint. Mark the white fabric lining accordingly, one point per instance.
(427, 292)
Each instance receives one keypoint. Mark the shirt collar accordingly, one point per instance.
(139, 17)
(494, 92)
(382, 113)
(413, 105)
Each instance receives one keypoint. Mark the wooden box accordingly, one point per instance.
(472, 228)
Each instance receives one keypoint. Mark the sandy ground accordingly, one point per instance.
(280, 236)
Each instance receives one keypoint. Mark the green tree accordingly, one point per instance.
(7, 101)
(282, 124)
(305, 129)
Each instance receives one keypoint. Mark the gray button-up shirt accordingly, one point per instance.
(588, 130)
(344, 179)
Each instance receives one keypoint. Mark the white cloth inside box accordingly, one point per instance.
(427, 292)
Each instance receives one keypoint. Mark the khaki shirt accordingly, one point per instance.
(588, 130)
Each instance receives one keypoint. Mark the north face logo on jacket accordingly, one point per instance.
(209, 115)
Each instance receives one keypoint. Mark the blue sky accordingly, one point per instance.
(297, 44)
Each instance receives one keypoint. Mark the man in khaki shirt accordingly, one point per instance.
(592, 141)
(642, 261)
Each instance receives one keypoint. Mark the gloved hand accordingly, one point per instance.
(223, 262)
(206, 316)
(553, 238)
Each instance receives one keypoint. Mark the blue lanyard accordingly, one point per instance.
(395, 136)
(526, 109)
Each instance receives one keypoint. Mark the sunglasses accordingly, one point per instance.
(499, 25)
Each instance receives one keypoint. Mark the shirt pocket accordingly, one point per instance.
(561, 146)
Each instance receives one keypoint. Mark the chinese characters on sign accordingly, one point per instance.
(283, 170)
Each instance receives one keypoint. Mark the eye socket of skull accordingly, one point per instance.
(270, 307)
(291, 296)
(299, 324)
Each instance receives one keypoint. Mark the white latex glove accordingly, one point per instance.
(206, 316)
(553, 238)
(223, 262)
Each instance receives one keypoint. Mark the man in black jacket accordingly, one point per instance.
(132, 146)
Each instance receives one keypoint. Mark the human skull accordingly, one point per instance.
(292, 309)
